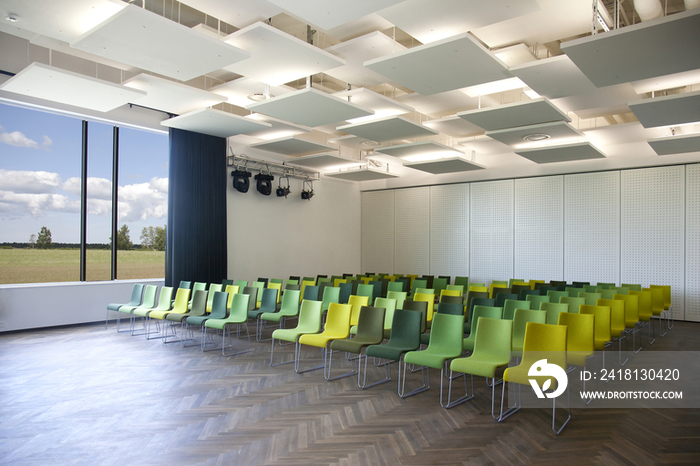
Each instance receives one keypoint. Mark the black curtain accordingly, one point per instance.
(196, 235)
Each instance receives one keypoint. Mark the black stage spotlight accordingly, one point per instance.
(264, 183)
(241, 180)
(307, 190)
(283, 190)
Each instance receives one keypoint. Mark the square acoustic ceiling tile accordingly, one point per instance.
(323, 161)
(139, 38)
(277, 57)
(170, 96)
(516, 137)
(387, 129)
(446, 165)
(454, 126)
(554, 77)
(676, 109)
(524, 113)
(278, 128)
(381, 105)
(563, 153)
(445, 65)
(292, 146)
(362, 174)
(676, 144)
(66, 87)
(420, 149)
(214, 123)
(309, 107)
(644, 50)
(328, 14)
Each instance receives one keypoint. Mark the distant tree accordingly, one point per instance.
(159, 240)
(148, 237)
(43, 241)
(123, 241)
(32, 240)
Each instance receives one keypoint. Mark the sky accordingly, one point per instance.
(40, 177)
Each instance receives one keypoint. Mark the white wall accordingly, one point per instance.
(51, 304)
(276, 237)
(628, 226)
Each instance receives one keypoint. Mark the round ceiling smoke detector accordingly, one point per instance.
(537, 137)
(12, 18)
(259, 96)
(369, 142)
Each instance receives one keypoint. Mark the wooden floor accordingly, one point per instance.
(89, 396)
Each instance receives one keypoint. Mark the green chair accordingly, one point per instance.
(399, 296)
(331, 294)
(389, 305)
(198, 308)
(180, 306)
(365, 290)
(241, 283)
(459, 288)
(477, 302)
(196, 286)
(278, 287)
(288, 309)
(310, 292)
(491, 351)
(631, 286)
(606, 293)
(164, 302)
(210, 297)
(574, 291)
(439, 284)
(238, 317)
(268, 305)
(511, 305)
(345, 292)
(574, 303)
(369, 332)
(430, 299)
(605, 286)
(445, 345)
(479, 312)
(309, 322)
(444, 308)
(422, 308)
(404, 337)
(500, 300)
(225, 283)
(536, 300)
(590, 288)
(590, 298)
(522, 295)
(464, 282)
(148, 302)
(337, 328)
(520, 321)
(418, 283)
(554, 296)
(135, 301)
(219, 310)
(394, 286)
(553, 310)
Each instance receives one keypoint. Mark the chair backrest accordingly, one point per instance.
(405, 329)
(251, 291)
(644, 305)
(239, 306)
(666, 292)
(418, 306)
(185, 284)
(579, 284)
(290, 302)
(199, 286)
(590, 288)
(446, 292)
(484, 311)
(478, 302)
(418, 283)
(553, 310)
(520, 320)
(306, 283)
(464, 281)
(213, 288)
(449, 308)
(446, 335)
(260, 286)
(425, 291)
(429, 279)
(554, 295)
(606, 293)
(149, 296)
(292, 281)
(535, 284)
(338, 320)
(200, 302)
(475, 294)
(439, 284)
(268, 302)
(322, 279)
(331, 294)
(536, 300)
(365, 290)
(605, 286)
(428, 298)
(511, 305)
(574, 291)
(631, 308)
(345, 292)
(494, 285)
(657, 299)
(219, 305)
(399, 296)
(459, 288)
(574, 303)
(310, 316)
(295, 277)
(165, 298)
(390, 306)
(372, 322)
(357, 302)
(278, 287)
(493, 337)
(517, 288)
(292, 286)
(276, 280)
(311, 292)
(242, 283)
(452, 300)
(394, 286)
(136, 295)
(377, 285)
(602, 322)
(522, 295)
(622, 290)
(500, 299)
(590, 298)
(263, 281)
(544, 339)
(182, 298)
(580, 331)
(631, 286)
(617, 315)
(310, 279)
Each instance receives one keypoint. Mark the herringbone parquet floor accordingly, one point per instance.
(89, 396)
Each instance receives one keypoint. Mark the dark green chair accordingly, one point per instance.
(370, 331)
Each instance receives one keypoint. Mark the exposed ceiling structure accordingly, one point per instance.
(428, 90)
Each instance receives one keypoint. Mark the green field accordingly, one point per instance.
(63, 265)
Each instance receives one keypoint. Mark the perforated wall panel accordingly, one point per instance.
(592, 227)
(377, 232)
(449, 230)
(491, 231)
(539, 224)
(652, 229)
(412, 232)
(692, 244)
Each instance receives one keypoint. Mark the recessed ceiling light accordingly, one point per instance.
(369, 143)
(12, 18)
(259, 97)
(536, 137)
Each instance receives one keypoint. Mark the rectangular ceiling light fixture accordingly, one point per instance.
(66, 87)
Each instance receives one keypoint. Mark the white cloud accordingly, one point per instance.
(19, 181)
(36, 205)
(47, 142)
(141, 201)
(98, 188)
(18, 139)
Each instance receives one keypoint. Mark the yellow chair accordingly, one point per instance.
(580, 346)
(231, 290)
(456, 293)
(657, 303)
(337, 328)
(278, 287)
(602, 336)
(645, 313)
(496, 285)
(356, 302)
(428, 298)
(631, 316)
(617, 323)
(539, 339)
(666, 289)
(533, 283)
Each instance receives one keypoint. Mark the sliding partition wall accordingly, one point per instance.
(624, 226)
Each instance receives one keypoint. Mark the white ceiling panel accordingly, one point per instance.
(57, 85)
(214, 123)
(515, 55)
(563, 153)
(170, 96)
(292, 146)
(516, 136)
(524, 113)
(359, 27)
(644, 50)
(429, 21)
(139, 38)
(362, 174)
(381, 105)
(676, 144)
(444, 65)
(668, 110)
(486, 146)
(328, 14)
(420, 149)
(446, 165)
(454, 126)
(604, 101)
(244, 91)
(387, 129)
(355, 142)
(356, 52)
(443, 104)
(554, 77)
(238, 13)
(309, 107)
(277, 57)
(605, 136)
(671, 81)
(323, 161)
(278, 128)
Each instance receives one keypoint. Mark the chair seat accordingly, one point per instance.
(254, 314)
(160, 314)
(126, 308)
(428, 359)
(143, 311)
(219, 324)
(480, 364)
(197, 320)
(276, 316)
(354, 345)
(388, 351)
(599, 343)
(114, 306)
(320, 340)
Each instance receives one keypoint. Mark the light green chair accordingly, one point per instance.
(390, 306)
(164, 303)
(510, 305)
(399, 296)
(536, 299)
(591, 298)
(479, 312)
(520, 321)
(238, 316)
(553, 310)
(309, 322)
(574, 303)
(554, 296)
